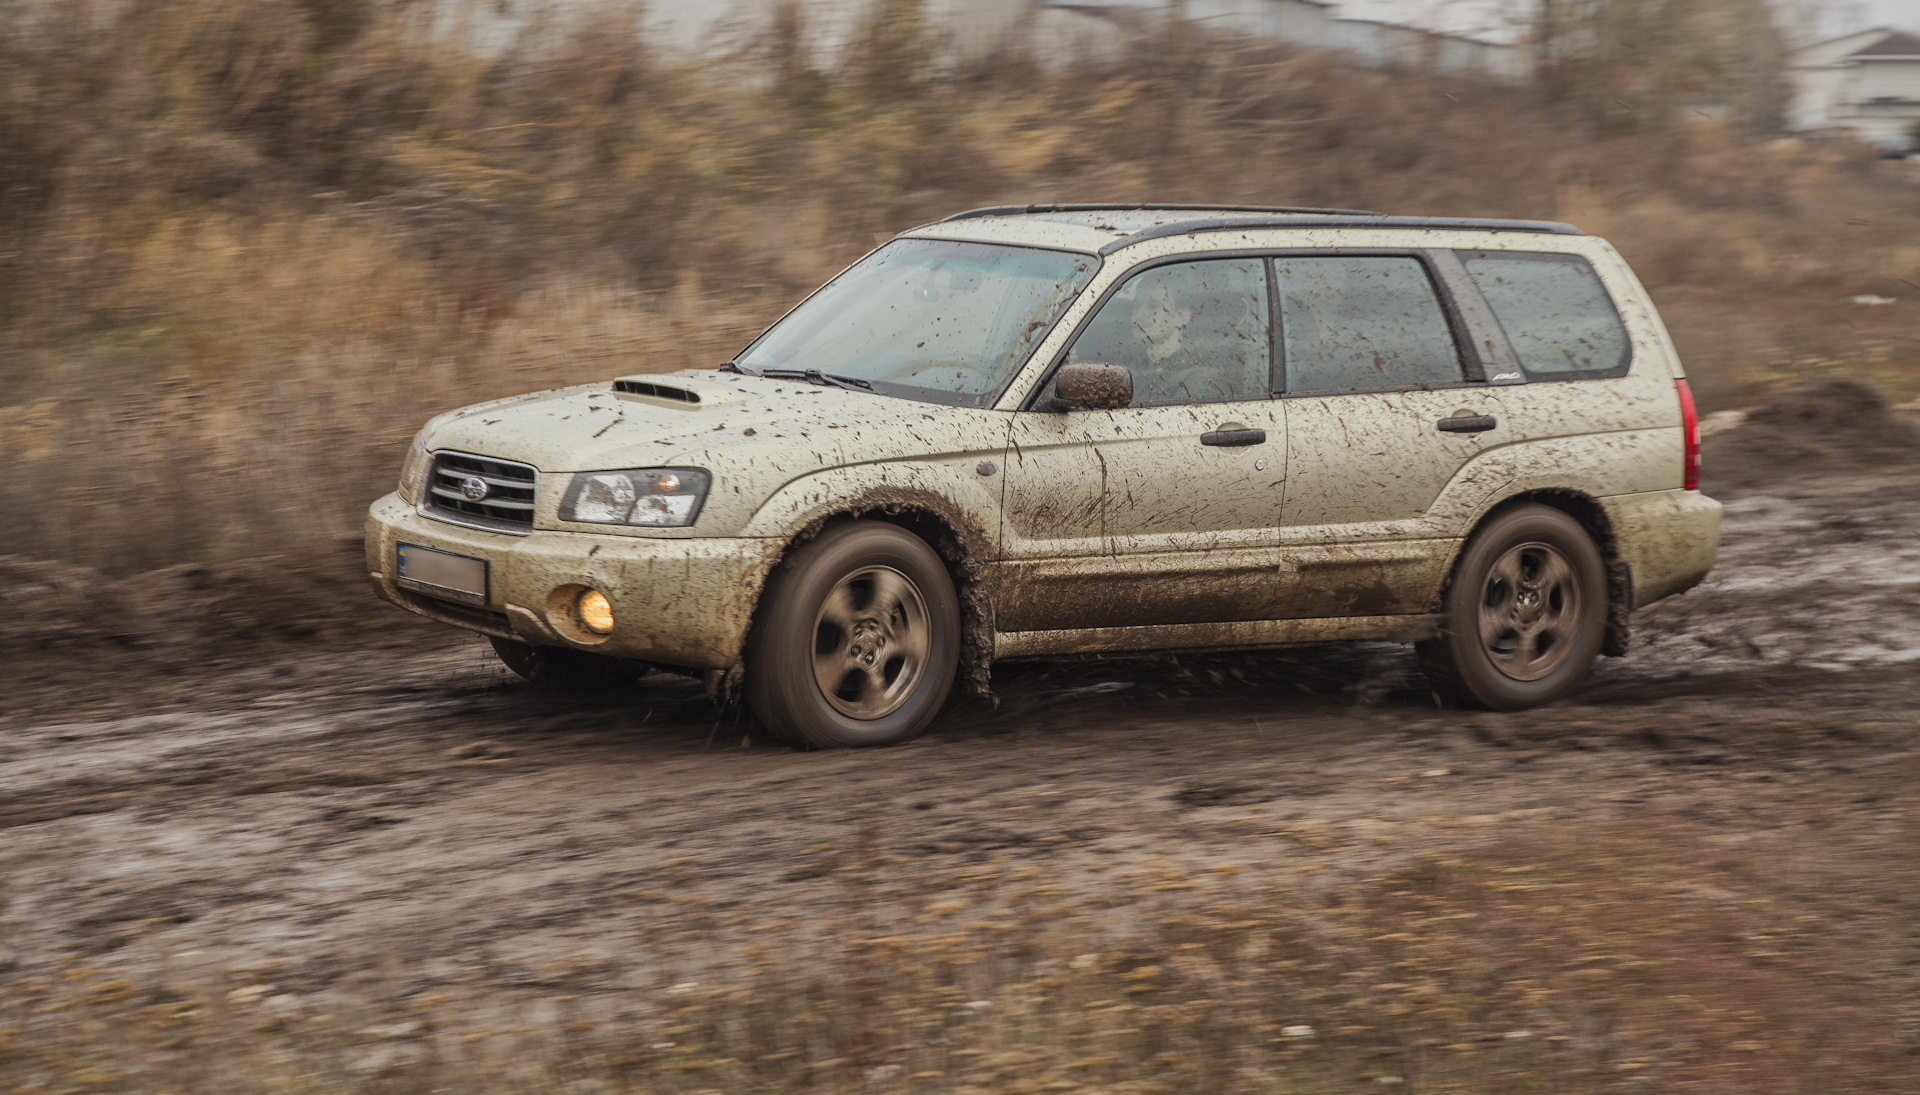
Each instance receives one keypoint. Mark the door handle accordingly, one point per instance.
(1234, 437)
(1478, 423)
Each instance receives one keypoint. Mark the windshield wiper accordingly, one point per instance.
(851, 383)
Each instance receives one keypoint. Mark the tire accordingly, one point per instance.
(1524, 616)
(856, 640)
(564, 667)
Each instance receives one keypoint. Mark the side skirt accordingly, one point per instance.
(1230, 635)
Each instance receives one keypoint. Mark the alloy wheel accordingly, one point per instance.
(870, 642)
(1529, 611)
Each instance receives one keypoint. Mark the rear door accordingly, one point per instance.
(1603, 406)
(1165, 511)
(1386, 405)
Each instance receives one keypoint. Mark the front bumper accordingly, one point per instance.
(683, 602)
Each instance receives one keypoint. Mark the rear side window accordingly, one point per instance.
(1357, 324)
(1557, 315)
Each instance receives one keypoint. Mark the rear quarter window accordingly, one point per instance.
(1557, 315)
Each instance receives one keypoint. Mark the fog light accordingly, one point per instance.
(595, 612)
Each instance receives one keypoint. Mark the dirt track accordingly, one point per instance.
(374, 822)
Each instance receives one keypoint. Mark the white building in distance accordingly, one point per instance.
(1311, 24)
(1060, 31)
(1866, 84)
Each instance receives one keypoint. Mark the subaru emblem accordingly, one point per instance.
(473, 488)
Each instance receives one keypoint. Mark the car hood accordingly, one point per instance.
(755, 434)
(671, 417)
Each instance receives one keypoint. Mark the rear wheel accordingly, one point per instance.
(1525, 614)
(857, 639)
(563, 667)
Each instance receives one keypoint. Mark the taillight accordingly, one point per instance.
(1690, 431)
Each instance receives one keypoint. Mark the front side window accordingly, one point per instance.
(1356, 324)
(939, 320)
(1190, 332)
(1557, 316)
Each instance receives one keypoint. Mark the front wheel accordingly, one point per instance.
(857, 639)
(1525, 615)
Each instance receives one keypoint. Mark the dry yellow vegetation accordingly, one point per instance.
(1588, 966)
(247, 246)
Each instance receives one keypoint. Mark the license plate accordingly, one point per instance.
(438, 573)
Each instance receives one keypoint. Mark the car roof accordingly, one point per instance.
(1103, 229)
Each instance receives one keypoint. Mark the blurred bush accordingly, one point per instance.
(246, 246)
(1630, 62)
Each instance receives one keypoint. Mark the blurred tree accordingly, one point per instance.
(335, 23)
(893, 53)
(791, 56)
(1636, 62)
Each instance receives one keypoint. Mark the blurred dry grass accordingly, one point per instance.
(246, 246)
(1577, 964)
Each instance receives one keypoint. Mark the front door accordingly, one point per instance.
(1165, 511)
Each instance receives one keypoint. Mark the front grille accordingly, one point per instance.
(506, 505)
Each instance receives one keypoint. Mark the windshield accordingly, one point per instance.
(937, 320)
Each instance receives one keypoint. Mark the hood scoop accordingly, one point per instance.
(656, 390)
(686, 390)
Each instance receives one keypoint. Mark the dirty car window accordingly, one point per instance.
(1362, 324)
(1192, 332)
(938, 320)
(1557, 315)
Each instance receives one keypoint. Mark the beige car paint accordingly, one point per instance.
(1106, 488)
(1082, 531)
(1377, 459)
(1668, 537)
(1227, 635)
(699, 594)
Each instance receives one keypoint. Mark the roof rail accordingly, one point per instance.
(1368, 220)
(1100, 207)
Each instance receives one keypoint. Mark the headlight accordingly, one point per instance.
(657, 497)
(410, 468)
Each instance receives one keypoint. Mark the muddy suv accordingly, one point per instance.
(1034, 431)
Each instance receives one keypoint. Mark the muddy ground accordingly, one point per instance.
(349, 831)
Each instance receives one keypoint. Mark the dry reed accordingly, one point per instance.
(246, 246)
(1568, 966)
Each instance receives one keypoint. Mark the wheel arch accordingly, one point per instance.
(961, 544)
(1592, 517)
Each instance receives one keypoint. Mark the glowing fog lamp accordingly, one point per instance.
(595, 611)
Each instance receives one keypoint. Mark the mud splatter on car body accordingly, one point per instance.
(1239, 499)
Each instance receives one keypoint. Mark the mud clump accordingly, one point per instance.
(1813, 427)
(55, 614)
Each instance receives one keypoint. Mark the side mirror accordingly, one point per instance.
(1092, 386)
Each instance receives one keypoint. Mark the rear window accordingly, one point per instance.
(1557, 315)
(1362, 324)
